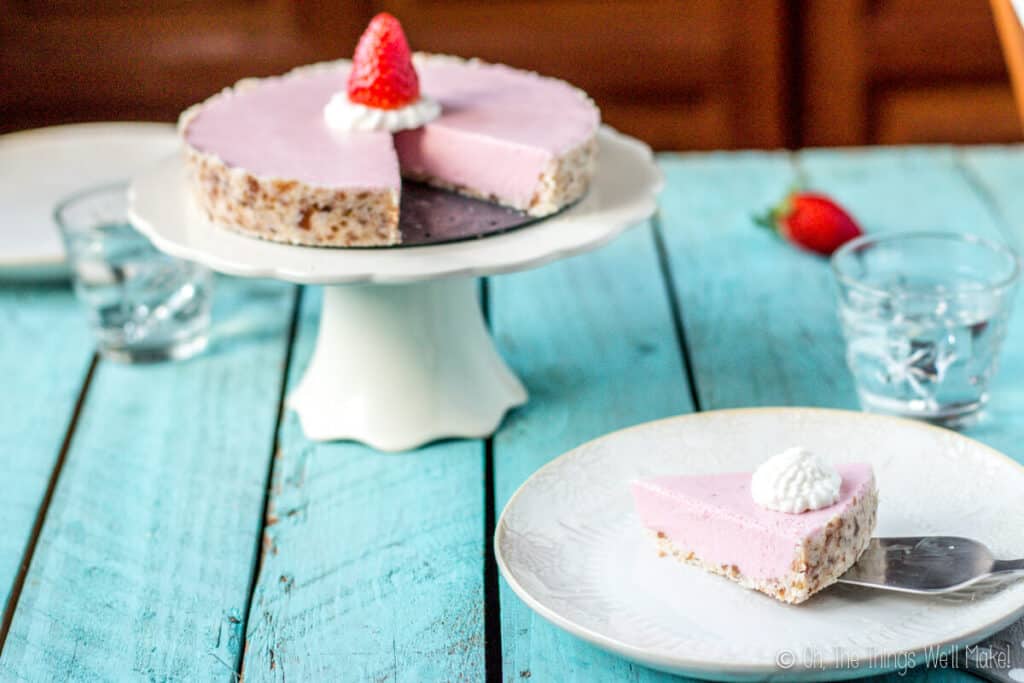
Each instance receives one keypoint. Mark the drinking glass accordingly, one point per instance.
(143, 305)
(924, 315)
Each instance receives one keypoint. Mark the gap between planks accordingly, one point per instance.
(259, 545)
(492, 602)
(675, 308)
(44, 505)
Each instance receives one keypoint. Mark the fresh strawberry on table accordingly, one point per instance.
(811, 220)
(382, 74)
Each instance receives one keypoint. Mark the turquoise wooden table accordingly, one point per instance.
(172, 523)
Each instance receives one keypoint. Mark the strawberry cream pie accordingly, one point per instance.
(317, 156)
(790, 529)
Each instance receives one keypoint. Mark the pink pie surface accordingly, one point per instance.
(498, 130)
(715, 517)
(276, 130)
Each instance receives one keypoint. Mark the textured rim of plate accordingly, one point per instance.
(93, 127)
(614, 222)
(722, 667)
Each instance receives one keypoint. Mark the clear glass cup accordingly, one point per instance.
(143, 305)
(924, 315)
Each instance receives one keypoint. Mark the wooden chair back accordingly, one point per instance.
(1009, 17)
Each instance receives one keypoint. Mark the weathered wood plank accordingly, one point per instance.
(372, 563)
(45, 350)
(757, 313)
(143, 566)
(592, 337)
(998, 176)
(932, 188)
(760, 315)
(900, 188)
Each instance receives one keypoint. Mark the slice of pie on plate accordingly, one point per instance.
(714, 522)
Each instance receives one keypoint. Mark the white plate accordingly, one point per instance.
(622, 194)
(570, 545)
(39, 168)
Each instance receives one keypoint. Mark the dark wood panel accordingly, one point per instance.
(680, 74)
(106, 65)
(903, 71)
(761, 110)
(77, 8)
(933, 40)
(835, 74)
(1011, 34)
(673, 125)
(603, 47)
(959, 114)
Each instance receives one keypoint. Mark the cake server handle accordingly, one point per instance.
(1008, 567)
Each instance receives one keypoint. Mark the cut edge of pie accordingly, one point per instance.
(822, 550)
(818, 561)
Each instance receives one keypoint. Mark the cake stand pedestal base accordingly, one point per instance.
(403, 356)
(397, 366)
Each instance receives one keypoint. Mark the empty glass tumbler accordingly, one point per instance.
(924, 315)
(143, 305)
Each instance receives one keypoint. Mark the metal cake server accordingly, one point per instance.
(943, 564)
(927, 564)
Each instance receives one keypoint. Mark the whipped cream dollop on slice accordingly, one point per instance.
(345, 116)
(795, 481)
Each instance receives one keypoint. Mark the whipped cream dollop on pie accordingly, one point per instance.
(344, 116)
(795, 481)
(789, 529)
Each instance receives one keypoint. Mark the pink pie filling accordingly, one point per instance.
(716, 518)
(276, 130)
(499, 129)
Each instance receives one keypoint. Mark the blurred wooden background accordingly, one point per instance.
(682, 74)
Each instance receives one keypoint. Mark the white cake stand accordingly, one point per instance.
(403, 356)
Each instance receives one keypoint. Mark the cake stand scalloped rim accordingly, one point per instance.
(622, 194)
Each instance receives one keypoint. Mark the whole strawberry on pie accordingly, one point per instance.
(382, 74)
(317, 156)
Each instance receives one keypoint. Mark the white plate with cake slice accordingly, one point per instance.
(571, 544)
(41, 167)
